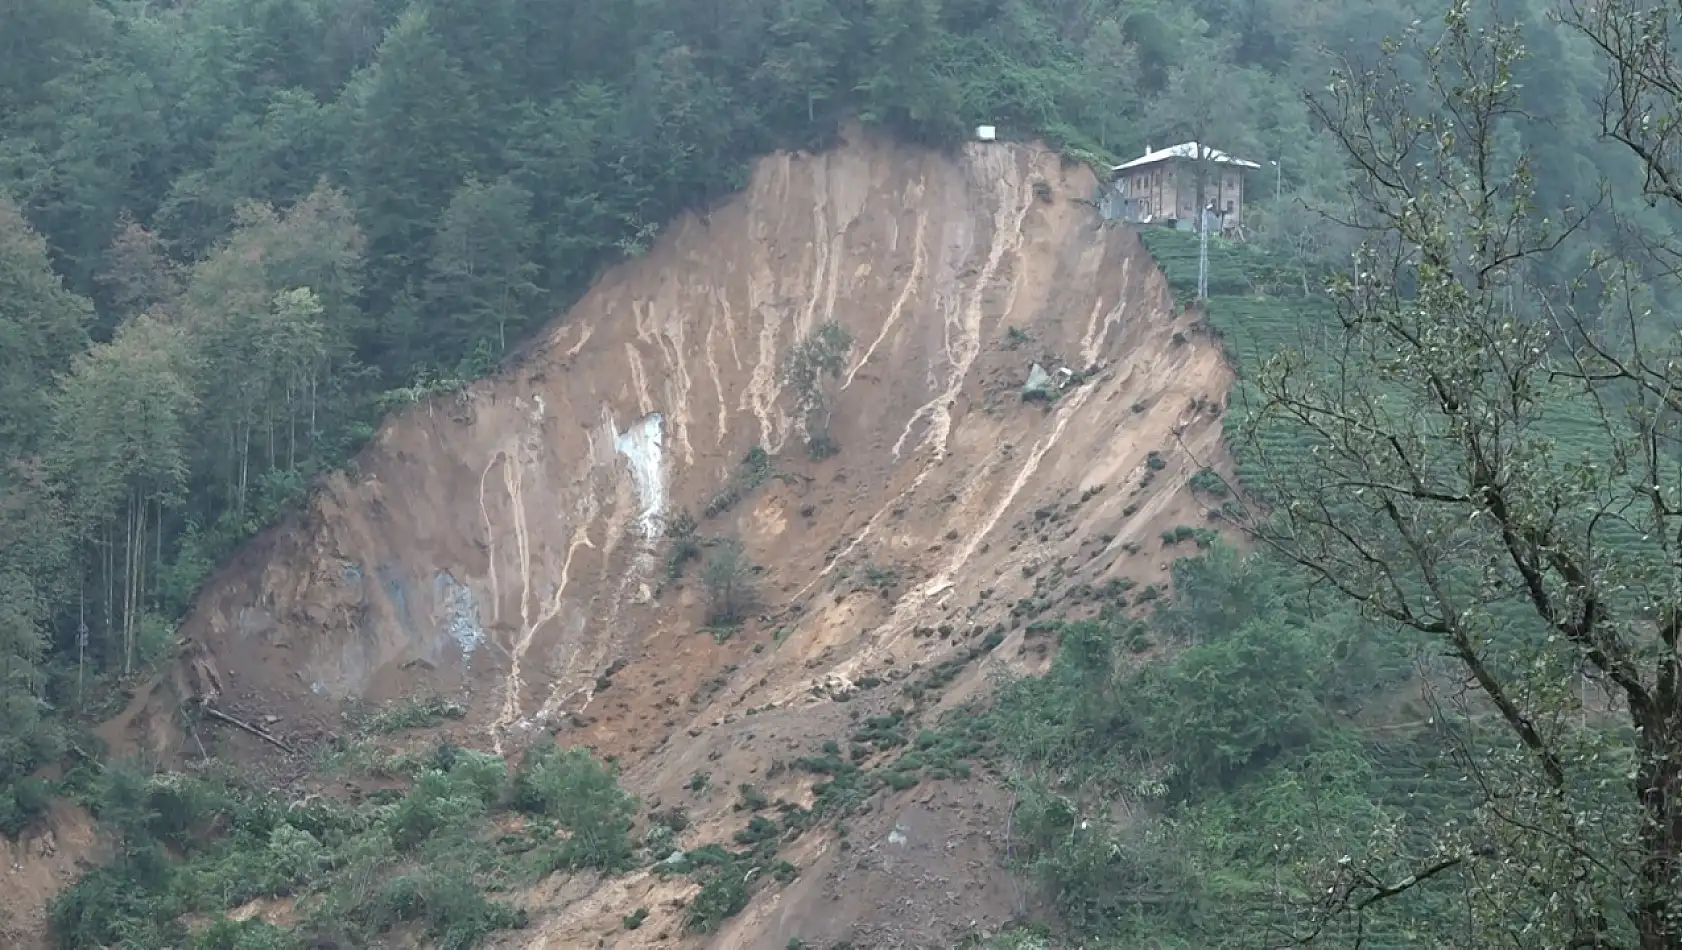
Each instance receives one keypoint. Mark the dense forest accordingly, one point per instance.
(234, 232)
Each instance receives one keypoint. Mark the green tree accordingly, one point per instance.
(584, 798)
(105, 144)
(818, 356)
(901, 82)
(275, 157)
(413, 144)
(41, 327)
(34, 559)
(1473, 462)
(1208, 100)
(121, 468)
(1109, 72)
(139, 275)
(271, 315)
(39, 41)
(479, 279)
(804, 67)
(728, 579)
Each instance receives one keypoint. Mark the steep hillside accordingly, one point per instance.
(508, 546)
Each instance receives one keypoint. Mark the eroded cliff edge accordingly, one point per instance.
(506, 545)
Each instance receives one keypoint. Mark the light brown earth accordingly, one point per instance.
(507, 520)
(33, 868)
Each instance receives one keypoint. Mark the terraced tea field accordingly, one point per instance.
(1257, 307)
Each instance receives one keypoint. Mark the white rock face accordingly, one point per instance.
(643, 446)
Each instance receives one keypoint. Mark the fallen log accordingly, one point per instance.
(257, 731)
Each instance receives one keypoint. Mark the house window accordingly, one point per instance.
(1229, 207)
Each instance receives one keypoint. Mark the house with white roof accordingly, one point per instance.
(1161, 186)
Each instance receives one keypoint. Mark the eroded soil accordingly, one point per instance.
(506, 546)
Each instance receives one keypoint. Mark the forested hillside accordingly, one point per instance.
(234, 233)
(253, 226)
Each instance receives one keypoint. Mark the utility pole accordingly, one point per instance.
(1278, 183)
(1203, 253)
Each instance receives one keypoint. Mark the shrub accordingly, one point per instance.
(686, 545)
(583, 797)
(820, 355)
(750, 473)
(295, 854)
(227, 934)
(1176, 534)
(200, 845)
(1225, 708)
(414, 713)
(455, 911)
(752, 798)
(437, 804)
(22, 804)
(729, 587)
(723, 896)
(1209, 482)
(881, 578)
(682, 551)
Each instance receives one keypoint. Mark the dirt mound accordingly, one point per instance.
(507, 545)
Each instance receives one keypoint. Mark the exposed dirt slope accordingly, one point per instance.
(33, 868)
(507, 546)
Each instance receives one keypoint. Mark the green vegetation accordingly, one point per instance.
(729, 580)
(685, 544)
(818, 356)
(418, 712)
(730, 878)
(261, 223)
(1209, 482)
(1379, 732)
(1185, 802)
(258, 224)
(582, 798)
(749, 474)
(1204, 537)
(423, 860)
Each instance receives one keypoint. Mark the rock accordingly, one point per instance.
(1038, 384)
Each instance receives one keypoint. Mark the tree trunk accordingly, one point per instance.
(81, 633)
(128, 587)
(158, 550)
(109, 559)
(1659, 786)
(244, 450)
(292, 392)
